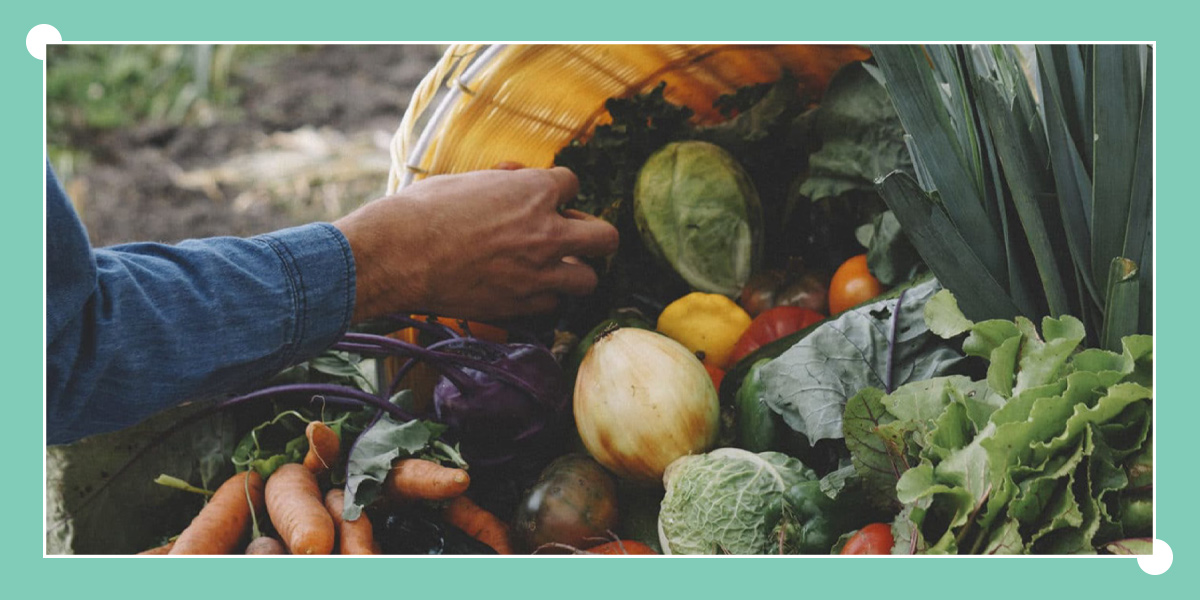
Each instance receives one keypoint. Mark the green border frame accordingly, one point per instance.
(617, 20)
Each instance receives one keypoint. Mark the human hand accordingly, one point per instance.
(481, 245)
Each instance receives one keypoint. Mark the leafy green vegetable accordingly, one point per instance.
(608, 163)
(1037, 458)
(891, 258)
(1053, 195)
(697, 210)
(860, 133)
(728, 501)
(883, 344)
(272, 444)
(376, 448)
(943, 316)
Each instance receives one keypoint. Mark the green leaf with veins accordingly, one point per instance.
(373, 454)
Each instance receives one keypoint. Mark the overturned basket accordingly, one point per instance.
(523, 103)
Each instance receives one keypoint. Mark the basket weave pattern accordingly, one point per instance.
(524, 103)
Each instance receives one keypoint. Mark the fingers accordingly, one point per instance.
(565, 183)
(508, 165)
(571, 277)
(586, 235)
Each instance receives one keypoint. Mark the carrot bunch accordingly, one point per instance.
(414, 479)
(307, 521)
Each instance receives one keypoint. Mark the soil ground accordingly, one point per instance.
(309, 142)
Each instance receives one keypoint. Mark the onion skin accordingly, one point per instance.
(643, 400)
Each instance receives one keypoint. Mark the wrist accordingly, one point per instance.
(378, 247)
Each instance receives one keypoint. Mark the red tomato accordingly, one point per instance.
(875, 538)
(771, 325)
(717, 375)
(623, 547)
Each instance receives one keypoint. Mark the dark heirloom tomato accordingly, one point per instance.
(574, 502)
(875, 538)
(770, 326)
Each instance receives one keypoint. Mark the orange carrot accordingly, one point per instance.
(420, 479)
(478, 523)
(224, 523)
(295, 506)
(354, 537)
(163, 549)
(265, 545)
(324, 447)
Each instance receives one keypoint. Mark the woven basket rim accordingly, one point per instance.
(439, 97)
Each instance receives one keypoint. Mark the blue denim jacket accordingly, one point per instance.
(137, 328)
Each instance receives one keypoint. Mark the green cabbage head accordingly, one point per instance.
(728, 501)
(697, 210)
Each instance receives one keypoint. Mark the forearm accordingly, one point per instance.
(163, 324)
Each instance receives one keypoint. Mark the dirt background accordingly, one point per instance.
(306, 140)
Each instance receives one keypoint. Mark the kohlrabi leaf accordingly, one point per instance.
(373, 453)
(883, 345)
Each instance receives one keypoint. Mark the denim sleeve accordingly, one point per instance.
(137, 328)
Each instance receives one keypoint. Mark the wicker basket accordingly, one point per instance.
(523, 103)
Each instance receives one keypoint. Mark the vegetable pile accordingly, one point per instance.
(775, 361)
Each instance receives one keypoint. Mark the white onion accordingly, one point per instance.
(641, 401)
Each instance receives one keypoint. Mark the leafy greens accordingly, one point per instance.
(1037, 458)
(883, 344)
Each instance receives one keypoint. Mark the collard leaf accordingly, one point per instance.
(882, 345)
(861, 136)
